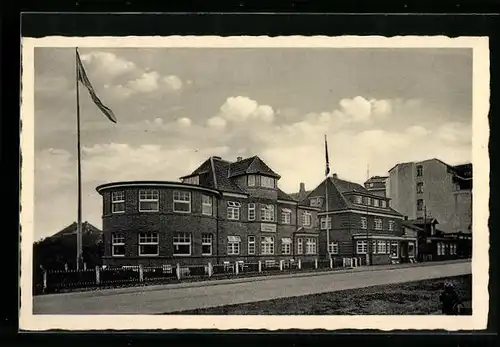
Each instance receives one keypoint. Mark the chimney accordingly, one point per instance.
(302, 189)
(239, 158)
(334, 175)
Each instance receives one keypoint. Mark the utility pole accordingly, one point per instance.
(368, 253)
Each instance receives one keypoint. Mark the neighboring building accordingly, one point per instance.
(377, 185)
(221, 212)
(361, 223)
(433, 188)
(434, 244)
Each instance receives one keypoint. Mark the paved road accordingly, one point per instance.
(171, 298)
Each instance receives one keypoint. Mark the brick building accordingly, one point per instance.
(222, 211)
(361, 223)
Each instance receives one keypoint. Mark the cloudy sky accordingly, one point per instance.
(177, 106)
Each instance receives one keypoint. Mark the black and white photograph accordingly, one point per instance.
(244, 183)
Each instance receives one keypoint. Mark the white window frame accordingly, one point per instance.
(364, 222)
(300, 245)
(378, 224)
(233, 210)
(368, 201)
(149, 239)
(333, 248)
(391, 225)
(381, 247)
(375, 202)
(206, 240)
(182, 239)
(118, 201)
(316, 201)
(420, 170)
(383, 203)
(251, 180)
(155, 197)
(251, 245)
(207, 205)
(286, 216)
(267, 182)
(361, 247)
(233, 245)
(358, 199)
(311, 245)
(192, 180)
(267, 213)
(325, 223)
(251, 211)
(267, 245)
(117, 239)
(286, 246)
(306, 215)
(179, 197)
(374, 247)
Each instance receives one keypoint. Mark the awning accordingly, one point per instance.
(234, 239)
(286, 240)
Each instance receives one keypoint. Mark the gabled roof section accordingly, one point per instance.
(345, 186)
(87, 228)
(284, 196)
(224, 182)
(252, 165)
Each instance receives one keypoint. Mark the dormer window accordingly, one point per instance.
(358, 199)
(267, 182)
(192, 180)
(383, 203)
(251, 180)
(316, 202)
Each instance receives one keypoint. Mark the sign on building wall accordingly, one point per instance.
(267, 228)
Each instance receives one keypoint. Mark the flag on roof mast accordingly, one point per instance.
(82, 77)
(327, 169)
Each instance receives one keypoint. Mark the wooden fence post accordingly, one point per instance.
(210, 270)
(331, 263)
(84, 266)
(236, 268)
(300, 264)
(44, 280)
(281, 264)
(141, 273)
(316, 263)
(178, 271)
(97, 275)
(260, 266)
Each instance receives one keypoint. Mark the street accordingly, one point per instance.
(172, 298)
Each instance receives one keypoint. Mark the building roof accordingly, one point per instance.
(377, 179)
(284, 196)
(252, 165)
(421, 222)
(411, 225)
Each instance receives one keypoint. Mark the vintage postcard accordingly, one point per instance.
(255, 183)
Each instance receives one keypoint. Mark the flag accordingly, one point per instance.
(327, 169)
(82, 77)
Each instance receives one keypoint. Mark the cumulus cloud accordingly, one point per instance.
(217, 122)
(108, 63)
(184, 121)
(241, 108)
(173, 82)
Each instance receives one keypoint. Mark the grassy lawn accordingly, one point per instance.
(411, 298)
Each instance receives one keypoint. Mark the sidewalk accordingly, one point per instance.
(216, 282)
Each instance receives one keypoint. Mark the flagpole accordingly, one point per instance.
(326, 208)
(368, 253)
(79, 172)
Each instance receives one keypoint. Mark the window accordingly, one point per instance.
(374, 247)
(251, 180)
(266, 245)
(148, 200)
(206, 244)
(117, 245)
(306, 218)
(420, 187)
(391, 225)
(382, 247)
(267, 182)
(182, 244)
(358, 199)
(383, 203)
(233, 210)
(286, 245)
(267, 213)
(118, 202)
(148, 244)
(182, 201)
(326, 223)
(420, 205)
(233, 245)
(394, 250)
(251, 211)
(439, 248)
(192, 180)
(364, 222)
(420, 170)
(378, 224)
(310, 246)
(300, 246)
(206, 205)
(286, 216)
(251, 244)
(375, 202)
(316, 201)
(361, 247)
(333, 248)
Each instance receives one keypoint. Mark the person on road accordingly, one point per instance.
(450, 301)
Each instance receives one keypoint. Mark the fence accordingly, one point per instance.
(65, 280)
